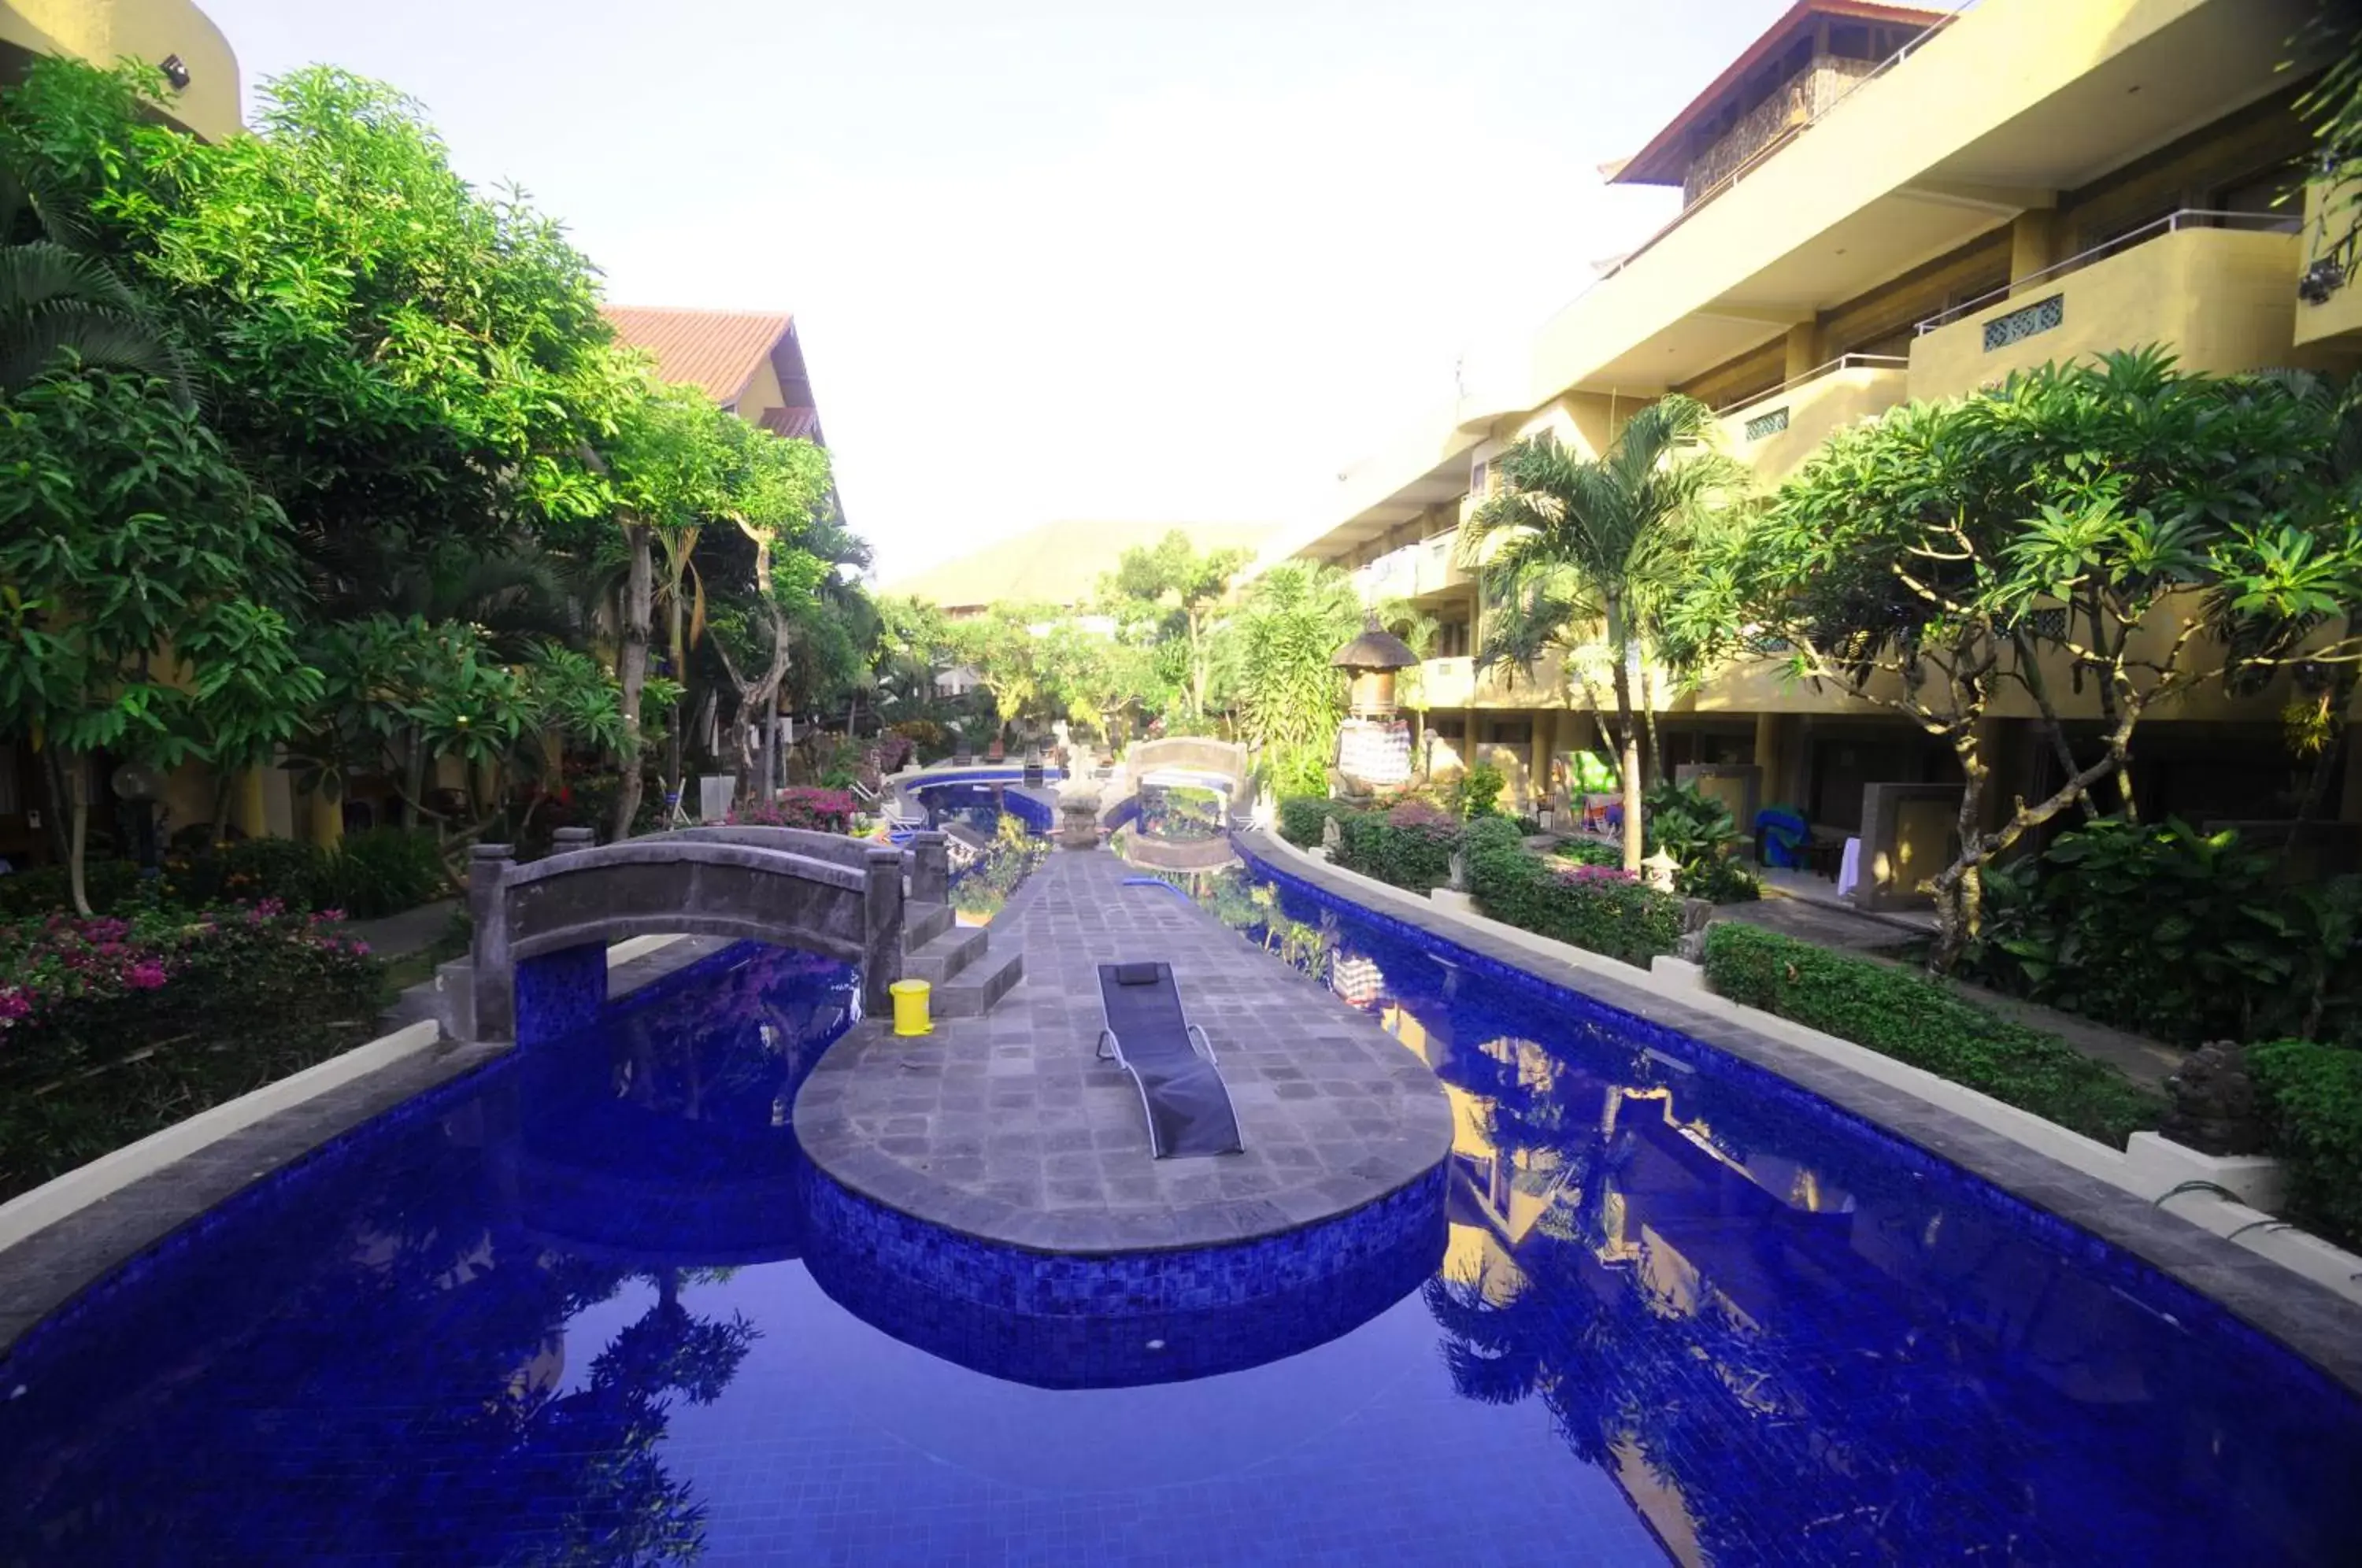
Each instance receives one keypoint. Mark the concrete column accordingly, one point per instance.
(2033, 242)
(1769, 758)
(245, 809)
(930, 868)
(881, 947)
(326, 820)
(1804, 349)
(491, 980)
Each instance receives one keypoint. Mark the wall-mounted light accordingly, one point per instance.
(176, 72)
(2320, 279)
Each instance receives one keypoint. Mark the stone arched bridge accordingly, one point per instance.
(542, 929)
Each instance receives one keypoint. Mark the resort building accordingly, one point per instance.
(170, 34)
(749, 361)
(1882, 204)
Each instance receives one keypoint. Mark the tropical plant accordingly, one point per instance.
(1162, 598)
(1703, 838)
(1570, 542)
(138, 603)
(1935, 557)
(1477, 791)
(58, 300)
(1275, 661)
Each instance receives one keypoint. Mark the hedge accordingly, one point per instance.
(380, 871)
(1406, 848)
(1910, 1018)
(1595, 908)
(2314, 1093)
(1302, 817)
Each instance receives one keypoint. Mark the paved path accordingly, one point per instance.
(412, 931)
(1008, 1128)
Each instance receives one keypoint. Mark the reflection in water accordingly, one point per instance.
(1785, 1343)
(420, 1366)
(556, 1313)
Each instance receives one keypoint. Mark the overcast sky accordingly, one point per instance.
(1065, 258)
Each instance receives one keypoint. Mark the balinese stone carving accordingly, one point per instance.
(2213, 1107)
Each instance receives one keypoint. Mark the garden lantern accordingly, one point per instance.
(1373, 745)
(1371, 660)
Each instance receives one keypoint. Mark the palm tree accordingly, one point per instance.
(58, 297)
(1570, 541)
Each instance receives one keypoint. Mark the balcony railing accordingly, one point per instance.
(2187, 217)
(1842, 362)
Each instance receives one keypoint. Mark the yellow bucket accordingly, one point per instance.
(911, 1007)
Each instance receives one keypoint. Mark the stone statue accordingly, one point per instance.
(1458, 881)
(2213, 1106)
(1330, 837)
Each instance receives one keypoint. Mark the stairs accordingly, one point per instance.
(956, 960)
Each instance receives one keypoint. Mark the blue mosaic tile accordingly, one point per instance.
(588, 1304)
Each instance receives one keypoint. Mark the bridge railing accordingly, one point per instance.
(558, 914)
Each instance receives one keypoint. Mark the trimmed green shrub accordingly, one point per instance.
(2315, 1094)
(1478, 792)
(1302, 817)
(1910, 1018)
(1409, 847)
(1594, 907)
(381, 872)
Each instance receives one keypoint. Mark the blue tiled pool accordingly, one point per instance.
(561, 1310)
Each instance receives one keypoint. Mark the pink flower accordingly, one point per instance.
(145, 975)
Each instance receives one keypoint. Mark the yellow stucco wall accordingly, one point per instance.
(104, 31)
(2221, 299)
(1816, 409)
(2341, 314)
(762, 392)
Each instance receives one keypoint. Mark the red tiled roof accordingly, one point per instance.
(803, 422)
(717, 351)
(1665, 161)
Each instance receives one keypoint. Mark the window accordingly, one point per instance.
(1511, 732)
(1770, 423)
(1446, 729)
(1450, 640)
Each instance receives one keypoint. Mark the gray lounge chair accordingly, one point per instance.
(1170, 1060)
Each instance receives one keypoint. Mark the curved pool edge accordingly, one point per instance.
(2109, 1227)
(1119, 1320)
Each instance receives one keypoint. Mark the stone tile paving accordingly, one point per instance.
(2311, 1319)
(1008, 1126)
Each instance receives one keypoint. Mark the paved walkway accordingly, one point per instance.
(412, 931)
(1008, 1128)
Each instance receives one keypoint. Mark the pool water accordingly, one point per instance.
(560, 1311)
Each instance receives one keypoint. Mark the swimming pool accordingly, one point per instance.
(562, 1309)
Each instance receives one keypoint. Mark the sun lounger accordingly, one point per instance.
(1170, 1060)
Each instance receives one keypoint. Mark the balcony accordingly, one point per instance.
(1449, 683)
(2216, 288)
(2332, 310)
(1436, 569)
(1773, 433)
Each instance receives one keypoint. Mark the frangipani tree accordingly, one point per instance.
(139, 601)
(2145, 530)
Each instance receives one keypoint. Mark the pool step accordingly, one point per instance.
(922, 923)
(947, 955)
(986, 979)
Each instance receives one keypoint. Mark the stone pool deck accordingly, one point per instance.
(1009, 1129)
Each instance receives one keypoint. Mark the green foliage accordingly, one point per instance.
(116, 1028)
(1273, 662)
(1477, 791)
(2173, 934)
(1918, 1020)
(1161, 599)
(1301, 819)
(1702, 836)
(984, 887)
(1409, 847)
(2314, 1093)
(1594, 907)
(381, 871)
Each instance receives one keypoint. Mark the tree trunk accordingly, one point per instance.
(77, 774)
(675, 637)
(1648, 718)
(632, 673)
(1959, 887)
(1628, 736)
